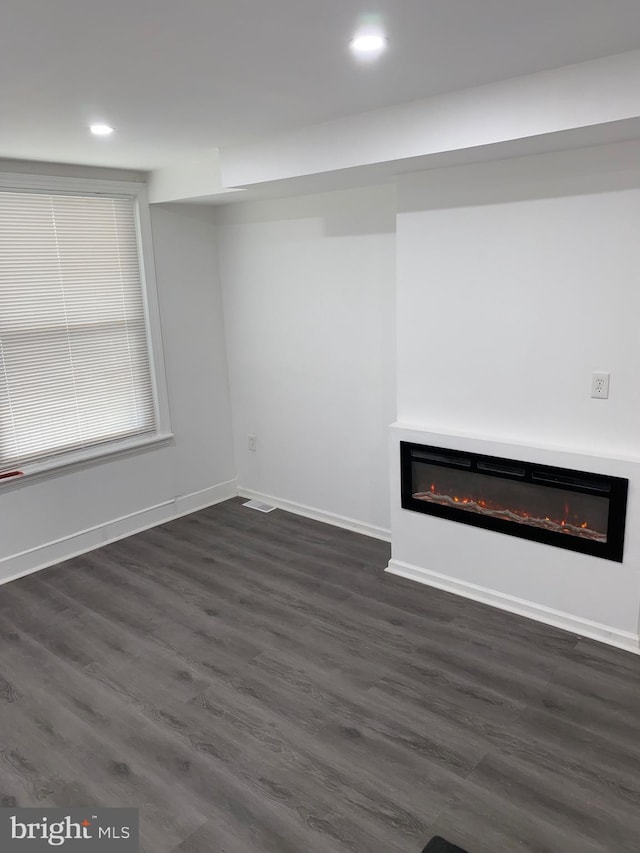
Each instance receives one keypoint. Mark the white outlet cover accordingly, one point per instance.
(600, 386)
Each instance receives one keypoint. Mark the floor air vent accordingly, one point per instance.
(261, 507)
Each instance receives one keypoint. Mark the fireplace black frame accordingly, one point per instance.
(614, 488)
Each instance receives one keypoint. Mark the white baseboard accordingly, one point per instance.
(59, 550)
(206, 497)
(66, 548)
(319, 515)
(584, 627)
(27, 562)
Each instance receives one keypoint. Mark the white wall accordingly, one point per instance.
(516, 280)
(48, 519)
(308, 287)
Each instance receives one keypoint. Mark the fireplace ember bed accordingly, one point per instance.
(557, 506)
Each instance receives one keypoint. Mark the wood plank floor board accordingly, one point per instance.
(605, 704)
(88, 641)
(26, 600)
(507, 633)
(243, 628)
(558, 797)
(250, 838)
(608, 767)
(61, 741)
(330, 570)
(178, 757)
(181, 621)
(403, 699)
(255, 620)
(469, 664)
(438, 738)
(281, 608)
(256, 683)
(330, 598)
(606, 659)
(482, 821)
(289, 761)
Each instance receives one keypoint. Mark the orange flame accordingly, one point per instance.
(490, 505)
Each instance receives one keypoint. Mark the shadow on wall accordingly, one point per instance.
(585, 171)
(346, 213)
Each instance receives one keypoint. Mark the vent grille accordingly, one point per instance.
(261, 507)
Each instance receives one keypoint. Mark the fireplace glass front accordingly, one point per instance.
(571, 509)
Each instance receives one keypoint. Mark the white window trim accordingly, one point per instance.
(87, 186)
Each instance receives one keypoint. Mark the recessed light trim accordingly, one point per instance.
(369, 44)
(101, 129)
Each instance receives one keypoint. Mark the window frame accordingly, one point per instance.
(137, 190)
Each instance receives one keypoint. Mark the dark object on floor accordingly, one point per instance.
(439, 845)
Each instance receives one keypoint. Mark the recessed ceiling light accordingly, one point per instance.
(368, 44)
(100, 129)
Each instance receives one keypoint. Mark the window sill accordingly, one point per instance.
(84, 459)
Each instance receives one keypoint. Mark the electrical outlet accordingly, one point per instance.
(600, 385)
(253, 442)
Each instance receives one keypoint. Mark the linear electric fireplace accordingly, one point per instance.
(557, 506)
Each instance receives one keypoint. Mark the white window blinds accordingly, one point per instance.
(74, 360)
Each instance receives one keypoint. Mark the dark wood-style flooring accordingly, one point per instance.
(256, 683)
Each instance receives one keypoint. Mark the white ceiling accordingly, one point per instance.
(177, 76)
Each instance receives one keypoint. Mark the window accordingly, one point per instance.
(75, 368)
